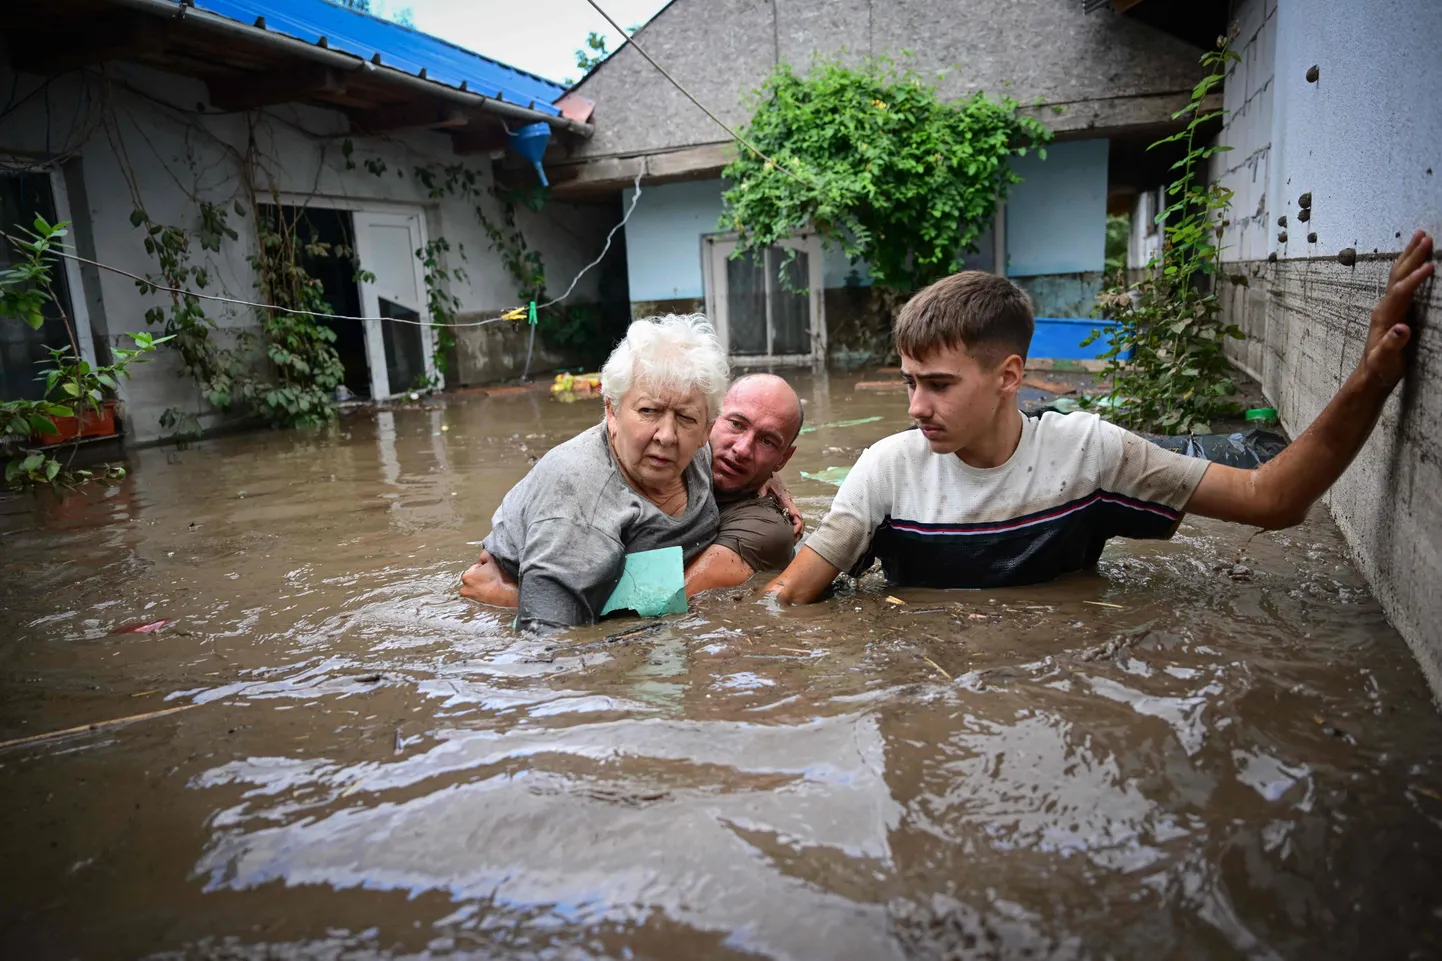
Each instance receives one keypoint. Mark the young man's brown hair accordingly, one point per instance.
(987, 315)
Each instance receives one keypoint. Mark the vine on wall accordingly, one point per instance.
(878, 165)
(1166, 356)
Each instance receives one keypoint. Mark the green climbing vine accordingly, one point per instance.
(298, 389)
(442, 304)
(301, 349)
(878, 164)
(1165, 357)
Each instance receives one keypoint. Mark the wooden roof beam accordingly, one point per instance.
(113, 37)
(481, 139)
(409, 116)
(280, 85)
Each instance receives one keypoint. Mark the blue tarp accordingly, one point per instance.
(401, 48)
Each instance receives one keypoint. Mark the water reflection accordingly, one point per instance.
(1149, 760)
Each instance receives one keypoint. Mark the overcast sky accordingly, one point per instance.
(536, 35)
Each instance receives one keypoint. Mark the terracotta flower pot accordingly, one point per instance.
(99, 423)
(89, 423)
(68, 429)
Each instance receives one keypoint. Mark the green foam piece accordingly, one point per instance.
(831, 475)
(843, 423)
(652, 583)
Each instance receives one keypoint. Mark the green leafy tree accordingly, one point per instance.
(1119, 228)
(1166, 358)
(878, 164)
(593, 53)
(590, 56)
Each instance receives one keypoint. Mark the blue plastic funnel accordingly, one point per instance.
(530, 142)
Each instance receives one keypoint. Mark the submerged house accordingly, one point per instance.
(215, 117)
(1106, 84)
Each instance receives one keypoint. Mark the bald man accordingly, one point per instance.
(752, 439)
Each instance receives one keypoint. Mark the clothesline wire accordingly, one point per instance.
(509, 315)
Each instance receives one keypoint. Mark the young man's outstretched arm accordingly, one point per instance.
(805, 578)
(1280, 492)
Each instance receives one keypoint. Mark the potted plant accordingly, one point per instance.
(74, 404)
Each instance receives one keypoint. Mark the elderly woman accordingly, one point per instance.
(638, 481)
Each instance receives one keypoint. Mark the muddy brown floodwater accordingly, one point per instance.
(1172, 757)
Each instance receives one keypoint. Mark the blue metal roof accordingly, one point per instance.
(400, 48)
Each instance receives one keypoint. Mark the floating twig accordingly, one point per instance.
(940, 670)
(1104, 604)
(97, 726)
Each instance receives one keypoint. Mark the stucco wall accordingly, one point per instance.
(722, 50)
(175, 156)
(1056, 218)
(663, 238)
(1366, 142)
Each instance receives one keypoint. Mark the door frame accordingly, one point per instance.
(716, 249)
(372, 291)
(79, 316)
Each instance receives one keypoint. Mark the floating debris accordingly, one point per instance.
(939, 669)
(831, 475)
(843, 423)
(97, 726)
(147, 627)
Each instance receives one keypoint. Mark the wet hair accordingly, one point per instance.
(987, 315)
(800, 407)
(677, 352)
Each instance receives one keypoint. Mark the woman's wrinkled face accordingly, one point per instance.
(655, 433)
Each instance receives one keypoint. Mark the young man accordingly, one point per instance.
(752, 439)
(982, 496)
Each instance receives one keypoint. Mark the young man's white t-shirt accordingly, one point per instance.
(934, 521)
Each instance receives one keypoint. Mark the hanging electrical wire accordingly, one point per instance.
(515, 313)
(703, 108)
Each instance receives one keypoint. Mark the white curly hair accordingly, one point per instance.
(679, 352)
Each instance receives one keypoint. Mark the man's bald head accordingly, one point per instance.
(754, 436)
(769, 392)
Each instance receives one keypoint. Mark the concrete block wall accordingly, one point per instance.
(1247, 129)
(1306, 322)
(1365, 141)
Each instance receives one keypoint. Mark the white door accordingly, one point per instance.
(400, 344)
(767, 305)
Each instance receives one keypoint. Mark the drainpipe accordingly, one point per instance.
(183, 12)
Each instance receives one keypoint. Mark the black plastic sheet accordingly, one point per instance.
(1248, 448)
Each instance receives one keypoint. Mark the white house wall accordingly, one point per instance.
(179, 156)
